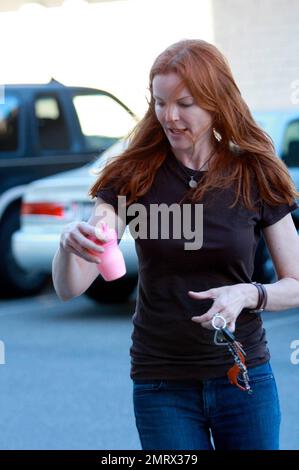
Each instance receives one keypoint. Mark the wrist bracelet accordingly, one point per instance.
(262, 298)
(265, 296)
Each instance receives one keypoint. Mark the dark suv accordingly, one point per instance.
(46, 129)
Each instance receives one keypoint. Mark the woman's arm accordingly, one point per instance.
(283, 244)
(74, 266)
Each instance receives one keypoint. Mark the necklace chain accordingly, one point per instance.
(192, 181)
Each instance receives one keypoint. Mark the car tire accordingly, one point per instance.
(14, 280)
(112, 292)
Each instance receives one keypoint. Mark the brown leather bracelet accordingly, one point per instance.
(265, 297)
(262, 298)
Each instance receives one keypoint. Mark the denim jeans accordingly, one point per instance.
(208, 414)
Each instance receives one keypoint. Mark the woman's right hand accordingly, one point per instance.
(80, 238)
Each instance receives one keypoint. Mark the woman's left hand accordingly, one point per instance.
(229, 301)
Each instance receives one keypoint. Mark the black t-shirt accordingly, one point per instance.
(166, 343)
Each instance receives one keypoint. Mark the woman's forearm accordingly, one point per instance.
(71, 274)
(282, 295)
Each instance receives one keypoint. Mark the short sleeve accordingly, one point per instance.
(272, 214)
(109, 196)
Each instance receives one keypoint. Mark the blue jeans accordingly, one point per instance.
(208, 414)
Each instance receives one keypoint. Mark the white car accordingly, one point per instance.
(51, 203)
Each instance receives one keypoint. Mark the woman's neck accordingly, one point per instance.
(199, 161)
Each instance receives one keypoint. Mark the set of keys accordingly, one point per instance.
(224, 337)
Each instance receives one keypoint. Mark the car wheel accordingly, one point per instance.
(112, 292)
(14, 280)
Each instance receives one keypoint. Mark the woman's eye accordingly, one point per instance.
(183, 105)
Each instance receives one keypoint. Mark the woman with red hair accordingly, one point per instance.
(197, 313)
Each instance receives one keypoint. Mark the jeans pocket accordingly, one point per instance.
(144, 387)
(259, 373)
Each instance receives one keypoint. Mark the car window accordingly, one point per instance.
(9, 124)
(290, 147)
(102, 119)
(51, 124)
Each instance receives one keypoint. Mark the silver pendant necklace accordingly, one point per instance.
(192, 183)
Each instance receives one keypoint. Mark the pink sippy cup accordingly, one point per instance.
(112, 264)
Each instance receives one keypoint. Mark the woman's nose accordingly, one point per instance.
(171, 113)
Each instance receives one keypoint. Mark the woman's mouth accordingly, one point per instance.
(176, 132)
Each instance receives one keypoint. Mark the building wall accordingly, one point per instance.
(260, 38)
(8, 5)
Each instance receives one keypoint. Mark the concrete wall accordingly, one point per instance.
(260, 38)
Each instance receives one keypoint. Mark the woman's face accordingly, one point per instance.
(183, 121)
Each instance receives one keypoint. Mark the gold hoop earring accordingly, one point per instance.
(217, 136)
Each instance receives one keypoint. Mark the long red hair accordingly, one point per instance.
(245, 152)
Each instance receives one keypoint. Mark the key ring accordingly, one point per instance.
(237, 352)
(220, 317)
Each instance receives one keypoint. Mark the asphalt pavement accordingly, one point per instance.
(65, 383)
